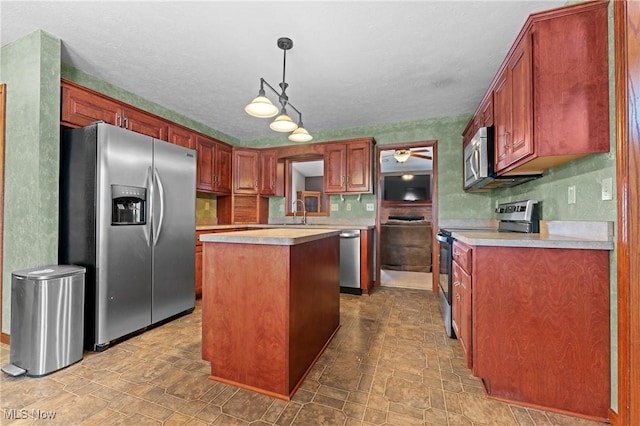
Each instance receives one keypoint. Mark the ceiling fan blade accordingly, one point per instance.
(421, 150)
(426, 157)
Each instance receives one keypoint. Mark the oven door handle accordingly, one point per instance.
(442, 238)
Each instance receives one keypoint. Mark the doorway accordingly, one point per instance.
(407, 198)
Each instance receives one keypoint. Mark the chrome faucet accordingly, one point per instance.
(295, 211)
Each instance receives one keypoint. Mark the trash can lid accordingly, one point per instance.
(49, 271)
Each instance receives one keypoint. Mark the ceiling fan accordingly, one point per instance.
(402, 155)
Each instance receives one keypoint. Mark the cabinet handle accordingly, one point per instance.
(457, 297)
(342, 180)
(256, 184)
(126, 122)
(456, 284)
(273, 184)
(118, 120)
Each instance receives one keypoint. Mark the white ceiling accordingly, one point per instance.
(353, 63)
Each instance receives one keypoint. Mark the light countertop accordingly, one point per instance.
(514, 239)
(282, 236)
(286, 225)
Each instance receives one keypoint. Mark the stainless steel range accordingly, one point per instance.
(519, 216)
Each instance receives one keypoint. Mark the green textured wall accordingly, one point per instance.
(31, 69)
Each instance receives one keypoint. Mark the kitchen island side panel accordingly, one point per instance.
(540, 327)
(245, 299)
(314, 302)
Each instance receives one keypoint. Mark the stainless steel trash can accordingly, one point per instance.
(47, 319)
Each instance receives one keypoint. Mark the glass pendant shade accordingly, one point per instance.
(300, 135)
(402, 155)
(261, 107)
(283, 123)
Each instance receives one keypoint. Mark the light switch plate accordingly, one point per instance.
(607, 189)
(571, 195)
(348, 207)
(334, 207)
(369, 207)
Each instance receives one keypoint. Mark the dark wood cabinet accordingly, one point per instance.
(461, 298)
(81, 107)
(513, 137)
(550, 97)
(268, 181)
(347, 167)
(214, 166)
(181, 136)
(540, 327)
(246, 171)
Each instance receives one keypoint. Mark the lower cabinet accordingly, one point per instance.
(461, 298)
(198, 282)
(539, 325)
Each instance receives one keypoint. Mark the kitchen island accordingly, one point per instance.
(270, 305)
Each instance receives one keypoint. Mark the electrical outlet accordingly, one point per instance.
(571, 195)
(607, 189)
(369, 207)
(207, 206)
(348, 207)
(334, 207)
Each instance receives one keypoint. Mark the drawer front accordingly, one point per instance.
(462, 255)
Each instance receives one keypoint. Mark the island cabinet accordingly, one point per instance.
(540, 327)
(214, 166)
(461, 297)
(270, 306)
(82, 106)
(348, 166)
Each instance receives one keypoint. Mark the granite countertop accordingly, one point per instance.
(286, 225)
(553, 234)
(282, 236)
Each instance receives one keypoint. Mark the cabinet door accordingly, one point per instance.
(146, 124)
(502, 120)
(521, 142)
(486, 111)
(181, 136)
(245, 171)
(335, 165)
(206, 156)
(461, 309)
(81, 108)
(222, 168)
(268, 172)
(359, 167)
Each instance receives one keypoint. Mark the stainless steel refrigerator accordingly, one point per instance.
(127, 214)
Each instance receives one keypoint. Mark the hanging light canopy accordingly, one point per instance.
(262, 107)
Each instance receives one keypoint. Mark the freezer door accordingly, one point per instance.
(174, 171)
(124, 251)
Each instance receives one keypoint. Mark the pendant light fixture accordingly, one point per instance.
(262, 107)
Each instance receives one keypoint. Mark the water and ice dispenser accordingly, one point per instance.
(128, 205)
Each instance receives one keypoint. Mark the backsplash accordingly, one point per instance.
(206, 208)
(357, 205)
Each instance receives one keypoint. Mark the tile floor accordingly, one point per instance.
(390, 364)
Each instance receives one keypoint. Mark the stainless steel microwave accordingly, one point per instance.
(479, 174)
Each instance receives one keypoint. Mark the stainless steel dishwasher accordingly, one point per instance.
(350, 260)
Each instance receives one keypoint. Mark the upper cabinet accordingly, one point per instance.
(269, 172)
(214, 166)
(551, 94)
(81, 107)
(246, 171)
(347, 166)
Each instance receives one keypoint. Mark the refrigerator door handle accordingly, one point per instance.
(161, 197)
(150, 198)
